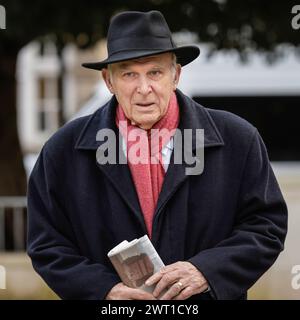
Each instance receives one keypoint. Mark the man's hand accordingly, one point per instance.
(181, 280)
(121, 292)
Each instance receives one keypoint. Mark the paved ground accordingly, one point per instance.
(21, 280)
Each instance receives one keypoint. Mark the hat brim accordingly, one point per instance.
(185, 55)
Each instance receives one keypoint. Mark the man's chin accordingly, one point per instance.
(146, 125)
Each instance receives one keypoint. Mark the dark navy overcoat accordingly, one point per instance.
(230, 221)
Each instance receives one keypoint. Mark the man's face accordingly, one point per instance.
(143, 87)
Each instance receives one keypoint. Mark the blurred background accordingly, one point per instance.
(249, 65)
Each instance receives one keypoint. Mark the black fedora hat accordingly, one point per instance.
(134, 34)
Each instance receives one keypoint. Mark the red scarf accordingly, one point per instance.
(147, 170)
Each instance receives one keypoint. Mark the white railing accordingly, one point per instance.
(17, 207)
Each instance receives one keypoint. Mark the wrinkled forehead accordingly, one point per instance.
(163, 60)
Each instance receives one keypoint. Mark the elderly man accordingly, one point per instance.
(217, 231)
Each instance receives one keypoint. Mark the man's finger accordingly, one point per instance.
(172, 292)
(190, 291)
(169, 267)
(157, 276)
(138, 294)
(154, 278)
(166, 281)
(184, 294)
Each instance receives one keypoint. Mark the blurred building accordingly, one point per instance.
(51, 89)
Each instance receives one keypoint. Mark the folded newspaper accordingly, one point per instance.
(135, 262)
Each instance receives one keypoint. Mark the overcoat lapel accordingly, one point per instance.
(119, 175)
(193, 117)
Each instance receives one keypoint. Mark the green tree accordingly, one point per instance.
(255, 24)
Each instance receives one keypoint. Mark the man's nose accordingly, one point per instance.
(144, 86)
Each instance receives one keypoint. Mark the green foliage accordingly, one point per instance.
(257, 24)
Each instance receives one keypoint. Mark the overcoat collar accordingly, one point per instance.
(192, 116)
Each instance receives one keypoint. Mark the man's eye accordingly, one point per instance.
(128, 75)
(155, 73)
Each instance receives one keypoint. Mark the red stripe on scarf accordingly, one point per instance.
(148, 176)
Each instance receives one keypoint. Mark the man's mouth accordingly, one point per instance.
(144, 104)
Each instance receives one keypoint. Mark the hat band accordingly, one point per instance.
(138, 43)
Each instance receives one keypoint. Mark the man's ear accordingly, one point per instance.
(106, 78)
(177, 75)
